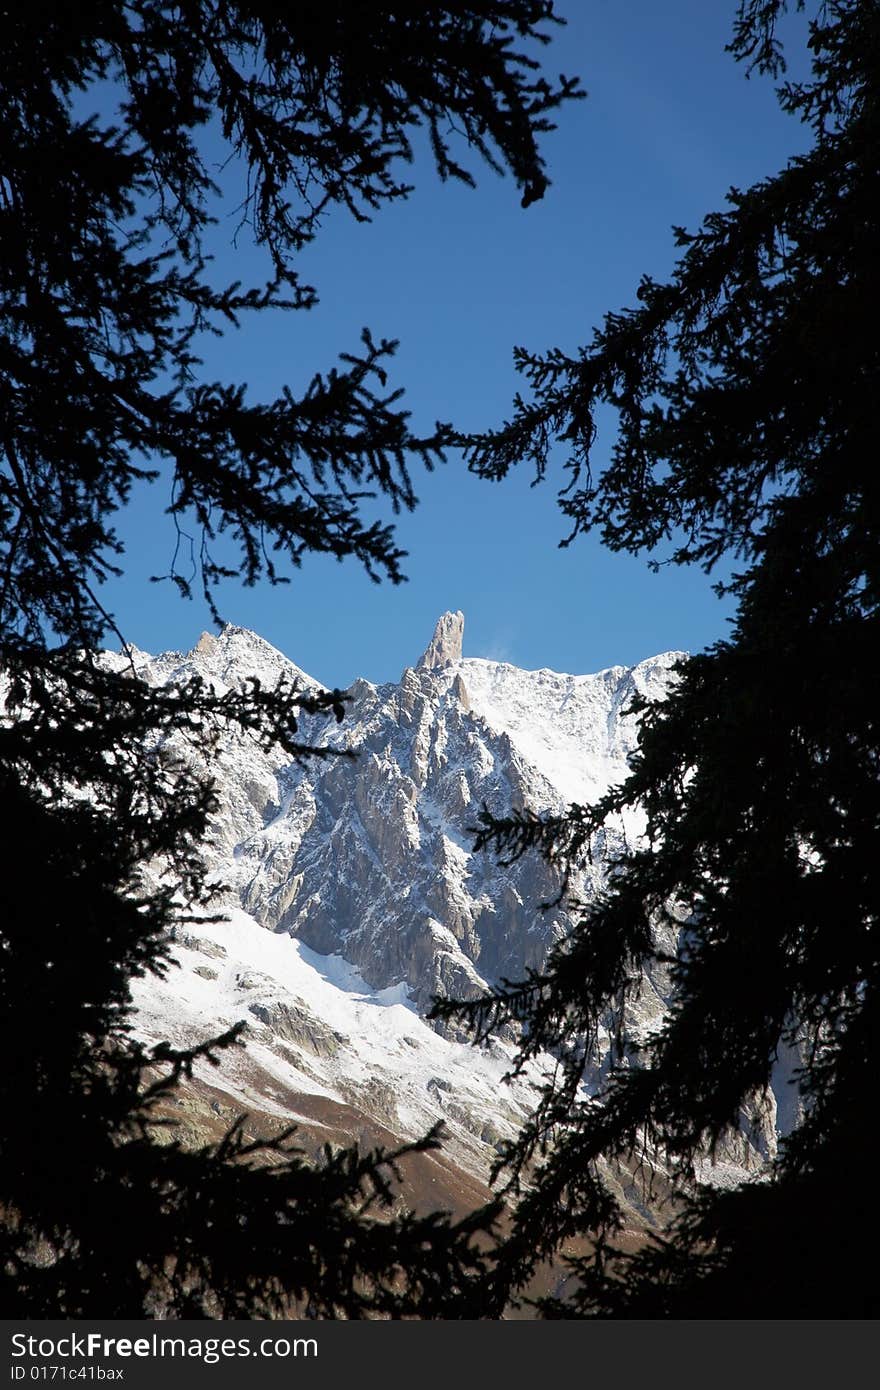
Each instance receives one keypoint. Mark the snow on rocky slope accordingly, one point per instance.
(353, 894)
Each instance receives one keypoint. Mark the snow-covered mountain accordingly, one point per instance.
(354, 896)
(371, 859)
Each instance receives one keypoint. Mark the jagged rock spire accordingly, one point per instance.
(444, 647)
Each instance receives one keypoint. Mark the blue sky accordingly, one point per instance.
(460, 276)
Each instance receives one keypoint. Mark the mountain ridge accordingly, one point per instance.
(352, 895)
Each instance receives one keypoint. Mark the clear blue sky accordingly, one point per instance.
(460, 276)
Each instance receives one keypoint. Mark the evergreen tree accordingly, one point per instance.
(745, 393)
(105, 288)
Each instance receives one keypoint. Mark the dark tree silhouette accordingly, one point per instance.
(105, 289)
(745, 391)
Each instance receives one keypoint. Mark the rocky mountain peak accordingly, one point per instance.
(444, 648)
(205, 646)
(353, 894)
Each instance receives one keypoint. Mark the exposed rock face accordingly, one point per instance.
(297, 1025)
(205, 645)
(459, 690)
(444, 647)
